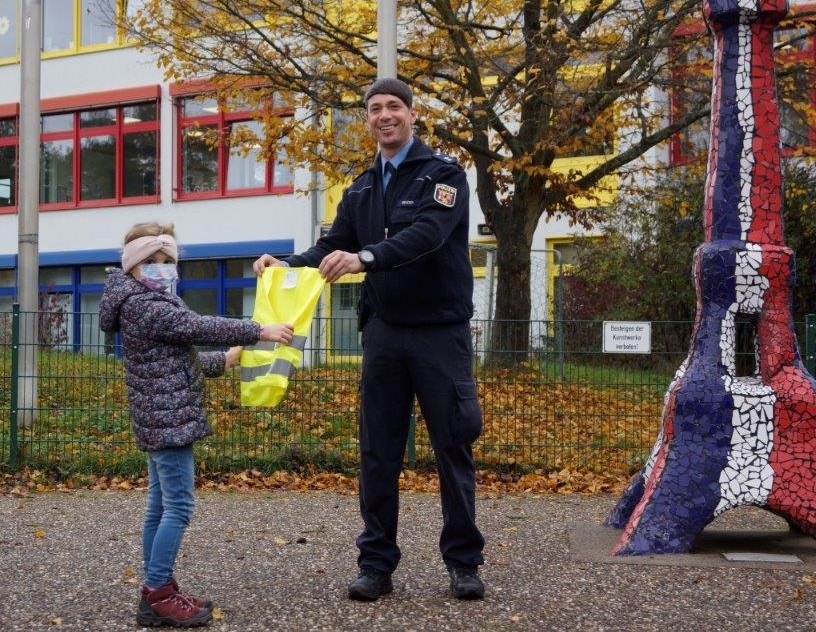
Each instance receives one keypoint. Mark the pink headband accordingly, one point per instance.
(141, 248)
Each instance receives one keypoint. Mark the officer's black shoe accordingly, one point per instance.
(369, 585)
(466, 583)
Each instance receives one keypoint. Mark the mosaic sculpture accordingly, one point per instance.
(729, 440)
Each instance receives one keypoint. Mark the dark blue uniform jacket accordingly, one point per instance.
(418, 233)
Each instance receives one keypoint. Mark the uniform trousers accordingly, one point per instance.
(433, 363)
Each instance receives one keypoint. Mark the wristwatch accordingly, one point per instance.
(366, 258)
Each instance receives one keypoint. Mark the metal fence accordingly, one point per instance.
(560, 403)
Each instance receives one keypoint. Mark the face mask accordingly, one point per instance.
(161, 277)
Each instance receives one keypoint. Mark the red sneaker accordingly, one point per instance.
(167, 606)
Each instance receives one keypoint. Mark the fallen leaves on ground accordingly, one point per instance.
(29, 482)
(534, 417)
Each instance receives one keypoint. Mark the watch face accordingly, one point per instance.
(366, 256)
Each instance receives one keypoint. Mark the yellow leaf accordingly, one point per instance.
(217, 614)
(56, 621)
(130, 575)
(39, 533)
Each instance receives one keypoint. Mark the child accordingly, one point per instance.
(165, 379)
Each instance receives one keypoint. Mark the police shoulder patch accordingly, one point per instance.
(444, 157)
(445, 195)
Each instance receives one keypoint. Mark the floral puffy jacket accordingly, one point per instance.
(163, 370)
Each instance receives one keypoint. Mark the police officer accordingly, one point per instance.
(404, 222)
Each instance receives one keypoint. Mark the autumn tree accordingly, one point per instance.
(640, 268)
(508, 86)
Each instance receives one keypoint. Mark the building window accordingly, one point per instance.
(221, 151)
(344, 337)
(8, 164)
(8, 29)
(57, 159)
(100, 156)
(218, 287)
(97, 22)
(57, 25)
(595, 138)
(70, 25)
(796, 53)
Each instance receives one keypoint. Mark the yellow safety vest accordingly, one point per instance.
(283, 295)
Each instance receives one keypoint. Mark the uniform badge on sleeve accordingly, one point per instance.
(445, 195)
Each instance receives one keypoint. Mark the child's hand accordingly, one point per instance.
(233, 356)
(277, 333)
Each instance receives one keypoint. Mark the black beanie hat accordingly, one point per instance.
(390, 86)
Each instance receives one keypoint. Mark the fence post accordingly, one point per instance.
(559, 315)
(15, 369)
(810, 343)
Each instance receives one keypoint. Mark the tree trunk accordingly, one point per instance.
(510, 331)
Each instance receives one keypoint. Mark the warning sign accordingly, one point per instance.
(627, 337)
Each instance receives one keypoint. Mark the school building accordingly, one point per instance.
(119, 145)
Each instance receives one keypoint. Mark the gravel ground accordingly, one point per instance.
(282, 561)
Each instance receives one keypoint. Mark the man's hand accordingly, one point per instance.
(263, 262)
(338, 263)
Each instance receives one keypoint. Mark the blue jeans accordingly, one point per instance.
(170, 503)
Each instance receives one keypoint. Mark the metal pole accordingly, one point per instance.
(387, 67)
(559, 314)
(28, 216)
(386, 38)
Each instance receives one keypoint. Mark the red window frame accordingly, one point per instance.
(119, 99)
(807, 56)
(222, 122)
(12, 112)
(677, 156)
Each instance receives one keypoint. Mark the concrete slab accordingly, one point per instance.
(749, 556)
(594, 543)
